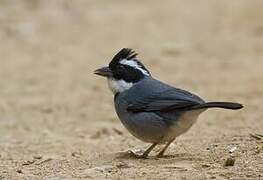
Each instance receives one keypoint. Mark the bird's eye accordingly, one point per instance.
(121, 69)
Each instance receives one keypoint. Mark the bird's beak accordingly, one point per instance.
(104, 71)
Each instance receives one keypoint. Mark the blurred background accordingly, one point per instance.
(52, 106)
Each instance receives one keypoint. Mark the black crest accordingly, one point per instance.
(126, 72)
(125, 53)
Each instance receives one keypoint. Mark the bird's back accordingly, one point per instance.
(155, 95)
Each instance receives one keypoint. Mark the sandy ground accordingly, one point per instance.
(57, 119)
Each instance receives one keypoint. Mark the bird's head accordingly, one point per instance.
(123, 71)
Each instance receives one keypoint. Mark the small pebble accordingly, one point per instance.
(230, 161)
(122, 165)
(104, 168)
(232, 149)
(28, 162)
(76, 154)
(37, 157)
(205, 165)
(19, 171)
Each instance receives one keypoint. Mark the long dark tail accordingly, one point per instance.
(225, 105)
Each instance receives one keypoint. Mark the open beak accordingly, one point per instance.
(104, 71)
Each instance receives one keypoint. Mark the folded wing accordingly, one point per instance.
(165, 100)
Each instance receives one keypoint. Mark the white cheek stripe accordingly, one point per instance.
(134, 64)
(118, 86)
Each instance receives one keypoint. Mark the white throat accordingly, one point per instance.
(118, 86)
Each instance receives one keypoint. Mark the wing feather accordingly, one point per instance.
(168, 100)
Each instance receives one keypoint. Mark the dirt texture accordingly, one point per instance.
(57, 119)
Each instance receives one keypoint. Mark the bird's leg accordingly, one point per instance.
(164, 149)
(146, 153)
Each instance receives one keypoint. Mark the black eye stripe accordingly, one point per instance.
(128, 73)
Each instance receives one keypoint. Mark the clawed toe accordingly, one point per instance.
(139, 156)
(159, 155)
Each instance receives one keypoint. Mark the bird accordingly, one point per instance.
(151, 110)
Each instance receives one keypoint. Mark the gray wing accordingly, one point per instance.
(162, 97)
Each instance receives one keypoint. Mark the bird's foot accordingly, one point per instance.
(160, 155)
(137, 155)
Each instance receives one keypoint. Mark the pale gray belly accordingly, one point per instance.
(151, 128)
(183, 124)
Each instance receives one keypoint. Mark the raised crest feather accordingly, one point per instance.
(125, 53)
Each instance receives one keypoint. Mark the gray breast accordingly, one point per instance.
(146, 126)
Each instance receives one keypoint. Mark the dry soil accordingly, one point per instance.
(57, 119)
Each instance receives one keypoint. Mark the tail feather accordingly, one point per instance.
(225, 105)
